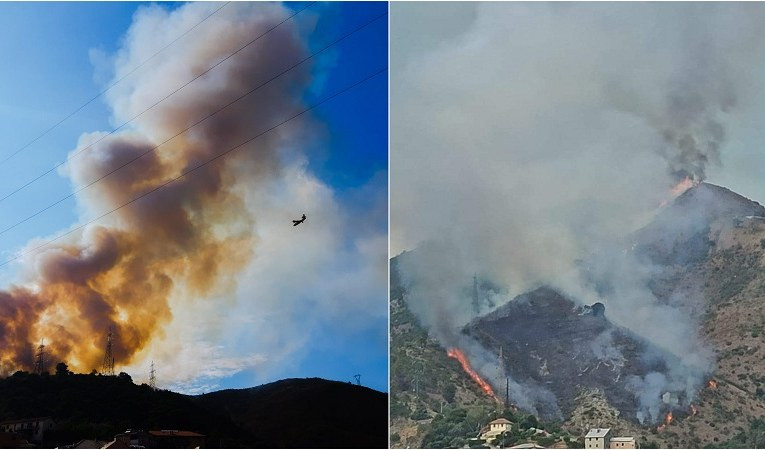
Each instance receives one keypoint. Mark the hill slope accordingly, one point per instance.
(306, 413)
(708, 249)
(326, 413)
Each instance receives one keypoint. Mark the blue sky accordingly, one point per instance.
(52, 54)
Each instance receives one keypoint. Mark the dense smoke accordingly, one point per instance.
(536, 141)
(188, 240)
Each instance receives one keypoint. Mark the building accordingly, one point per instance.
(494, 429)
(13, 440)
(528, 445)
(31, 429)
(177, 439)
(157, 439)
(87, 443)
(623, 442)
(598, 438)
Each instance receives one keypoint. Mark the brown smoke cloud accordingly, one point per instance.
(190, 238)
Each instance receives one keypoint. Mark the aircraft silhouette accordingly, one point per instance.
(298, 222)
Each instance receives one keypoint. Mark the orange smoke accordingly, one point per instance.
(712, 384)
(188, 240)
(459, 356)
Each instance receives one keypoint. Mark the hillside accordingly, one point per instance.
(434, 403)
(330, 414)
(423, 379)
(707, 249)
(95, 406)
(547, 341)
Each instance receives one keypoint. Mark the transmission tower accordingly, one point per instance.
(476, 298)
(507, 392)
(152, 377)
(108, 367)
(358, 379)
(40, 358)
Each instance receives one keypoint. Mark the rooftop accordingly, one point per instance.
(597, 432)
(623, 439)
(501, 420)
(175, 433)
(527, 445)
(34, 419)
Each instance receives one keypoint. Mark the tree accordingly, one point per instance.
(529, 422)
(123, 376)
(62, 370)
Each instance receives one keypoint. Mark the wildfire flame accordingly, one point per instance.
(678, 189)
(459, 356)
(667, 421)
(712, 384)
(682, 186)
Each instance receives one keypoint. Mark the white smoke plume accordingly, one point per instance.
(538, 135)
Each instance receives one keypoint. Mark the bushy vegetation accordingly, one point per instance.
(754, 437)
(458, 426)
(98, 407)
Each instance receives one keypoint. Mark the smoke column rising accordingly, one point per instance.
(543, 134)
(193, 237)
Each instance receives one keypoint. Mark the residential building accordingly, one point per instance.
(623, 442)
(598, 438)
(33, 429)
(494, 429)
(528, 445)
(13, 440)
(177, 439)
(157, 439)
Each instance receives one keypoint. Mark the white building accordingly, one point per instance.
(598, 438)
(32, 429)
(495, 428)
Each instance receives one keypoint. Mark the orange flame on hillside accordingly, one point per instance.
(682, 186)
(459, 356)
(667, 421)
(712, 384)
(678, 189)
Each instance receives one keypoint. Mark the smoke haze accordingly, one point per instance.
(543, 135)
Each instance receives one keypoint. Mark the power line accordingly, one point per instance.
(189, 171)
(150, 107)
(127, 163)
(54, 126)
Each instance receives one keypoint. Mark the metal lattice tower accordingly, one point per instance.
(40, 358)
(108, 366)
(358, 379)
(152, 377)
(476, 302)
(507, 392)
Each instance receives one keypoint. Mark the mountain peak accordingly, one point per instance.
(714, 201)
(680, 233)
